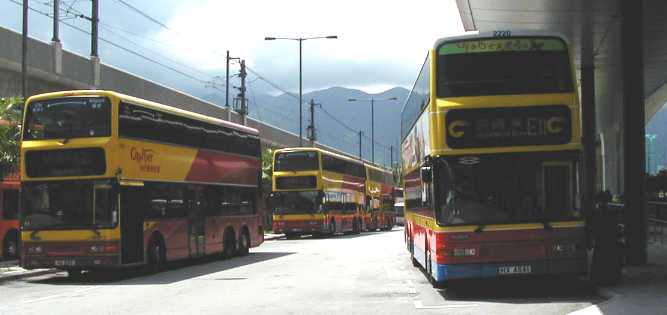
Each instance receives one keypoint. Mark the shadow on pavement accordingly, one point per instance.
(306, 237)
(522, 290)
(174, 272)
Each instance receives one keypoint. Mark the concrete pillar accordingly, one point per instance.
(588, 114)
(57, 57)
(632, 66)
(95, 67)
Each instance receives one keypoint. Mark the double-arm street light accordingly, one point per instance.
(300, 40)
(372, 100)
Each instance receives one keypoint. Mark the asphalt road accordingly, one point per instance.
(355, 274)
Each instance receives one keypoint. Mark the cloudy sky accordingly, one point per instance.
(381, 43)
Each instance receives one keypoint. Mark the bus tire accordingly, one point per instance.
(244, 243)
(332, 227)
(229, 244)
(357, 227)
(156, 255)
(10, 246)
(74, 274)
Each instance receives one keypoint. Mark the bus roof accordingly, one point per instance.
(146, 103)
(306, 149)
(375, 167)
(514, 33)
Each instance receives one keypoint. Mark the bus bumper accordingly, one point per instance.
(298, 227)
(445, 272)
(74, 255)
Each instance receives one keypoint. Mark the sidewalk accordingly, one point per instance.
(643, 289)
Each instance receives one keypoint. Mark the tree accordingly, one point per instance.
(267, 164)
(10, 133)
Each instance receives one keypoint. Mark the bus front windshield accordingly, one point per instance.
(503, 66)
(296, 161)
(69, 205)
(296, 202)
(70, 117)
(506, 189)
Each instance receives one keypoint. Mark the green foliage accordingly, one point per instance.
(10, 133)
(267, 164)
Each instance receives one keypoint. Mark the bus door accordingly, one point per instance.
(196, 220)
(131, 224)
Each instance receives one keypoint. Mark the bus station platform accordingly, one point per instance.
(642, 290)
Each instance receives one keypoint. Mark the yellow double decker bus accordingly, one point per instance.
(317, 192)
(491, 157)
(110, 180)
(380, 188)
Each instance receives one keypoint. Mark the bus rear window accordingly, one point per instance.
(66, 118)
(296, 161)
(503, 66)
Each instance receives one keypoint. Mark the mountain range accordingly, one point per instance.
(337, 120)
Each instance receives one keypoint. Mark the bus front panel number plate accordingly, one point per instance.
(515, 270)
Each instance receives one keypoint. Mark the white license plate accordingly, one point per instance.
(515, 270)
(64, 262)
(296, 230)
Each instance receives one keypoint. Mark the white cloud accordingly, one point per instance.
(390, 34)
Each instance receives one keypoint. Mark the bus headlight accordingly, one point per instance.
(564, 248)
(35, 249)
(106, 248)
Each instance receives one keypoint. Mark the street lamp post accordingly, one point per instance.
(372, 100)
(300, 40)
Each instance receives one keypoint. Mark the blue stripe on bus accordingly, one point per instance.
(443, 272)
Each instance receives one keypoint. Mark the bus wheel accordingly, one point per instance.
(332, 226)
(429, 268)
(74, 274)
(155, 256)
(10, 248)
(415, 263)
(244, 243)
(229, 244)
(357, 227)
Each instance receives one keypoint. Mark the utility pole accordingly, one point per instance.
(360, 134)
(391, 156)
(372, 130)
(94, 34)
(311, 128)
(243, 106)
(229, 110)
(24, 53)
(56, 22)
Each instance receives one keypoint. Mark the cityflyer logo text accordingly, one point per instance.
(145, 159)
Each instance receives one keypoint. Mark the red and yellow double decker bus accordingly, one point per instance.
(316, 192)
(379, 212)
(491, 159)
(110, 180)
(9, 216)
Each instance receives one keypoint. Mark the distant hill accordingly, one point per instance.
(282, 111)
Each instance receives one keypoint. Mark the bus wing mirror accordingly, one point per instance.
(426, 174)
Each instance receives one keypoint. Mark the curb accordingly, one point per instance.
(273, 237)
(26, 274)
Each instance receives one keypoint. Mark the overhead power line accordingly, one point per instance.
(120, 46)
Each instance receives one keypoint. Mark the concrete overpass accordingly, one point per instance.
(620, 51)
(52, 69)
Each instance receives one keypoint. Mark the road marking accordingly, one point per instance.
(411, 287)
(420, 305)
